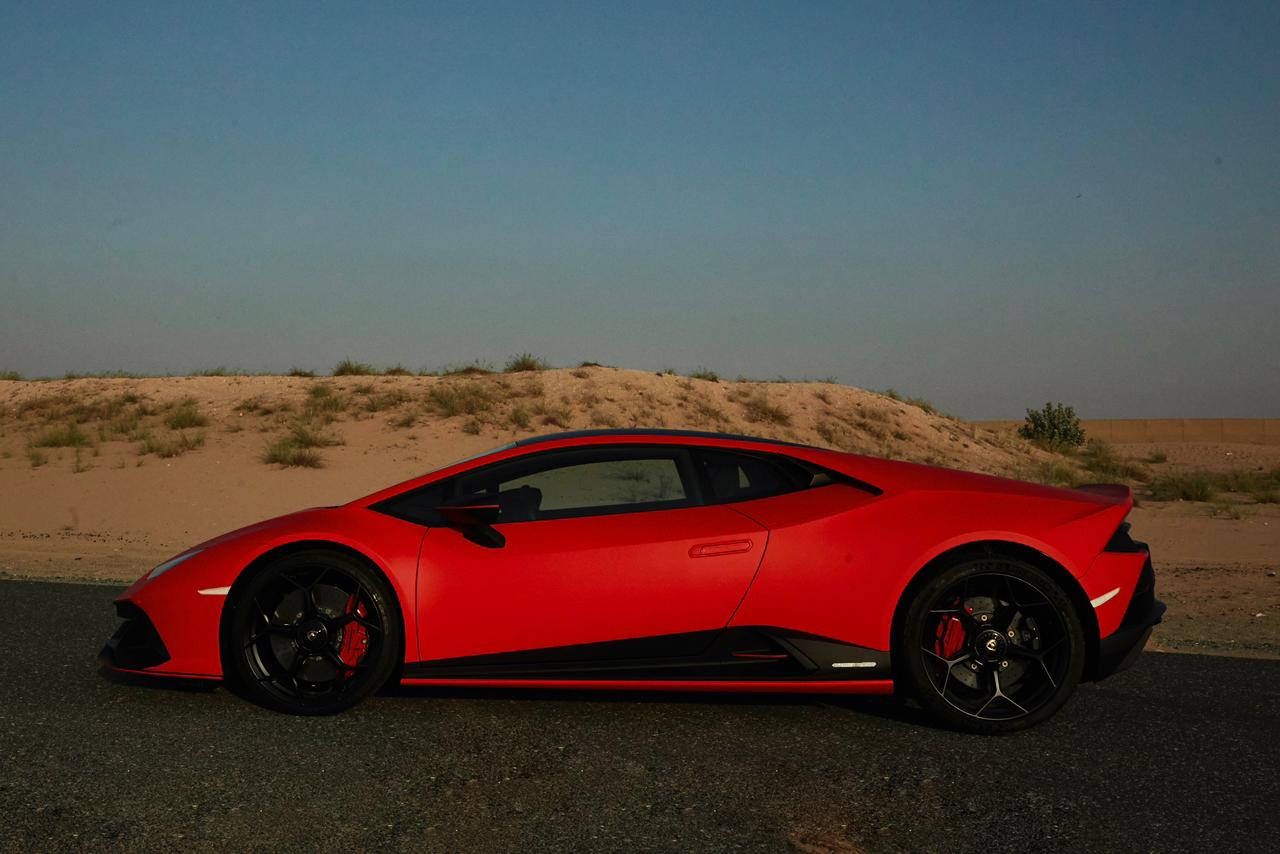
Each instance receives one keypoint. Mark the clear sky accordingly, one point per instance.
(989, 205)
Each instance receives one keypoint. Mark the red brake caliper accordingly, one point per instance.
(949, 636)
(355, 637)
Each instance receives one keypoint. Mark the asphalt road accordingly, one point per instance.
(1179, 754)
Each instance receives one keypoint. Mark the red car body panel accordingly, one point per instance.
(831, 561)
(576, 581)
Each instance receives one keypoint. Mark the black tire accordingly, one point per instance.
(312, 633)
(991, 645)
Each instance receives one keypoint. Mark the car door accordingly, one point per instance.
(609, 553)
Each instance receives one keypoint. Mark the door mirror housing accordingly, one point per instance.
(475, 518)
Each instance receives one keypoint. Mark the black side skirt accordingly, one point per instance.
(750, 653)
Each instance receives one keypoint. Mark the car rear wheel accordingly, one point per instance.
(312, 633)
(992, 645)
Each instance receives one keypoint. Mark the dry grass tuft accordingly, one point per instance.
(185, 416)
(758, 409)
(349, 368)
(525, 362)
(471, 398)
(70, 436)
(171, 446)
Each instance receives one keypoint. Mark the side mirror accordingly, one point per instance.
(475, 520)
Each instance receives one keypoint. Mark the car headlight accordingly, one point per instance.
(160, 569)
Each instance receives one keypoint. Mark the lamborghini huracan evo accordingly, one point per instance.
(672, 560)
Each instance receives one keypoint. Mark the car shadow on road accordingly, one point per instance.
(883, 707)
(162, 683)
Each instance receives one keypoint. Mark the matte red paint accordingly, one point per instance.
(831, 561)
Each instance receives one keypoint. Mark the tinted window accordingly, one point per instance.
(742, 477)
(583, 483)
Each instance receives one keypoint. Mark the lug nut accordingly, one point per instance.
(983, 618)
(1004, 664)
(973, 665)
(1013, 635)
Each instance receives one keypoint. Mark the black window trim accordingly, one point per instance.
(704, 497)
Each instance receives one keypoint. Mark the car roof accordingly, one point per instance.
(625, 433)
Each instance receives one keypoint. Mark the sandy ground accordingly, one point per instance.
(111, 508)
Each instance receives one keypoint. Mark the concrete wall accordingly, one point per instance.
(1253, 431)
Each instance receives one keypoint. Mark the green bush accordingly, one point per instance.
(1100, 459)
(525, 362)
(1056, 427)
(1191, 486)
(349, 368)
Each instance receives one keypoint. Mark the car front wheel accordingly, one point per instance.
(312, 633)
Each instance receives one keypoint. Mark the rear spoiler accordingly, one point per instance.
(1114, 493)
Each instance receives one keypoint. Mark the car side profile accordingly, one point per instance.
(673, 560)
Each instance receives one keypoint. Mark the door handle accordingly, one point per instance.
(727, 547)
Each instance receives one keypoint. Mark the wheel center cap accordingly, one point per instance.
(313, 634)
(989, 645)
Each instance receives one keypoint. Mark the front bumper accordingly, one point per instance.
(1120, 649)
(136, 645)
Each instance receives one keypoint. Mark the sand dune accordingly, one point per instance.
(101, 478)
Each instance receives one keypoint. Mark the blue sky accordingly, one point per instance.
(990, 206)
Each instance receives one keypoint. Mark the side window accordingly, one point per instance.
(590, 482)
(742, 477)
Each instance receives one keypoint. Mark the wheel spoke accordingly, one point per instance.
(352, 617)
(1032, 633)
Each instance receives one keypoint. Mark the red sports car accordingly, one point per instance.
(673, 560)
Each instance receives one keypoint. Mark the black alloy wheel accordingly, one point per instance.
(312, 633)
(992, 645)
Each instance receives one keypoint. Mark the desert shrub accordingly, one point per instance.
(556, 416)
(1267, 496)
(759, 410)
(349, 368)
(12, 376)
(301, 372)
(520, 418)
(1055, 473)
(1189, 486)
(603, 419)
(925, 405)
(470, 398)
(70, 436)
(37, 458)
(472, 426)
(322, 403)
(398, 370)
(1241, 480)
(185, 416)
(404, 421)
(170, 446)
(1101, 459)
(219, 371)
(870, 429)
(386, 400)
(1157, 457)
(305, 436)
(285, 452)
(525, 362)
(705, 374)
(1055, 427)
(476, 368)
(256, 405)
